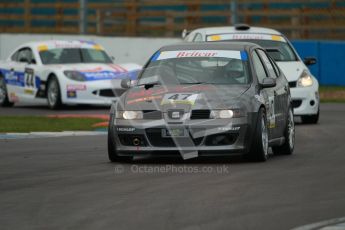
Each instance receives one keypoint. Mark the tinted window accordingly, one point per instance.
(14, 56)
(198, 38)
(74, 55)
(259, 68)
(191, 70)
(276, 68)
(25, 55)
(283, 52)
(267, 63)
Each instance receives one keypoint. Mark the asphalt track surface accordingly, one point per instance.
(68, 183)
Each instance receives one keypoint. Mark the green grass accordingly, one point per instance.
(23, 124)
(332, 94)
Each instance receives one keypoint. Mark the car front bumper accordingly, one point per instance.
(208, 137)
(305, 100)
(95, 92)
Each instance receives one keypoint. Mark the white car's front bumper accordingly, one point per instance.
(305, 100)
(93, 92)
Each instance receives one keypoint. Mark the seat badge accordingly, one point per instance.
(175, 115)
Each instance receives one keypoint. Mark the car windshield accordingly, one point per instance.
(282, 52)
(196, 70)
(74, 55)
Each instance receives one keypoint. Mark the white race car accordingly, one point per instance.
(62, 72)
(304, 86)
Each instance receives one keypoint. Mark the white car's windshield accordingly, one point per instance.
(283, 50)
(196, 70)
(74, 55)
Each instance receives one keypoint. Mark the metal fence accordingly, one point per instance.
(304, 19)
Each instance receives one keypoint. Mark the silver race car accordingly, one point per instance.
(206, 99)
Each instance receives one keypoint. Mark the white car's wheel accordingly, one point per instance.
(4, 101)
(53, 93)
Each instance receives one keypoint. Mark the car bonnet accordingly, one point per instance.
(184, 97)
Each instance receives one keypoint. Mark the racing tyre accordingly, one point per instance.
(4, 101)
(311, 119)
(112, 154)
(289, 135)
(54, 93)
(259, 148)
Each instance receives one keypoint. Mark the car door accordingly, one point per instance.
(266, 93)
(25, 71)
(279, 94)
(12, 81)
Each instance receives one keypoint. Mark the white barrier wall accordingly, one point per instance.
(124, 49)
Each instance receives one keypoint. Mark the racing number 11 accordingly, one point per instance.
(29, 78)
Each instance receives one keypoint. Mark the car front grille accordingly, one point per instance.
(292, 84)
(200, 114)
(109, 92)
(154, 136)
(152, 114)
(296, 103)
(221, 139)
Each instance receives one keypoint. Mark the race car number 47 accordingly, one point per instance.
(179, 98)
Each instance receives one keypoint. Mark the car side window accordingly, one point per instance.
(267, 63)
(14, 56)
(197, 38)
(259, 68)
(26, 55)
(276, 68)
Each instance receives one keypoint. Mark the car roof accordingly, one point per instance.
(232, 29)
(210, 45)
(62, 43)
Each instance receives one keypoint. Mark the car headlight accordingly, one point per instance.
(74, 75)
(222, 114)
(305, 80)
(129, 115)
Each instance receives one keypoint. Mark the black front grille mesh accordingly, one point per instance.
(152, 114)
(154, 136)
(200, 114)
(296, 103)
(292, 84)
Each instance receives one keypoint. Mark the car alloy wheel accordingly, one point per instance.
(264, 136)
(291, 130)
(53, 92)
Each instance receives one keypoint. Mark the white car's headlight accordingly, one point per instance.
(74, 75)
(305, 80)
(129, 115)
(222, 114)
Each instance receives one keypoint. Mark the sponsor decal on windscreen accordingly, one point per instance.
(199, 53)
(246, 36)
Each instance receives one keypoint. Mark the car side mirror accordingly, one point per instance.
(126, 83)
(310, 60)
(268, 82)
(185, 33)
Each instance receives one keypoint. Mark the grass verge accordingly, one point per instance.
(23, 124)
(332, 94)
